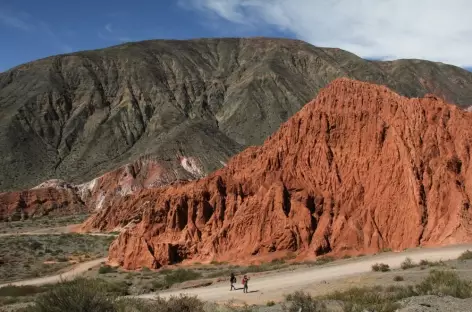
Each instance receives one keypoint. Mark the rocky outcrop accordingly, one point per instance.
(77, 116)
(58, 197)
(359, 169)
(27, 204)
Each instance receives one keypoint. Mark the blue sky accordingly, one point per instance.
(388, 29)
(32, 29)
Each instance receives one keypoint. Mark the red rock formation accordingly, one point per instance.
(57, 197)
(358, 169)
(39, 202)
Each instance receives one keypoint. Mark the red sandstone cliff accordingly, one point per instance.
(60, 199)
(358, 169)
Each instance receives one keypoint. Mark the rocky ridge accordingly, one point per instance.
(58, 197)
(359, 169)
(77, 116)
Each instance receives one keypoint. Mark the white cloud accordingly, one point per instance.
(436, 30)
(14, 19)
(108, 28)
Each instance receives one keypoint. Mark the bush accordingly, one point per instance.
(431, 263)
(372, 298)
(398, 278)
(324, 260)
(445, 283)
(408, 264)
(380, 267)
(466, 255)
(105, 269)
(180, 276)
(300, 301)
(182, 303)
(270, 303)
(19, 291)
(80, 295)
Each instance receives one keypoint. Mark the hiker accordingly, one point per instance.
(245, 280)
(232, 280)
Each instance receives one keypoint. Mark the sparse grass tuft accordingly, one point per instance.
(445, 283)
(75, 296)
(105, 269)
(300, 301)
(431, 263)
(181, 303)
(180, 276)
(20, 291)
(380, 267)
(466, 255)
(408, 264)
(270, 303)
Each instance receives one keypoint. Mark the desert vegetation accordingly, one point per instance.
(34, 224)
(466, 255)
(380, 267)
(98, 295)
(24, 257)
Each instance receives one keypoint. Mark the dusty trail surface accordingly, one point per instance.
(274, 286)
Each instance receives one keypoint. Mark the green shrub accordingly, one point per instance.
(80, 295)
(270, 303)
(105, 269)
(431, 263)
(324, 260)
(408, 264)
(445, 283)
(181, 303)
(380, 267)
(372, 298)
(466, 255)
(300, 301)
(180, 276)
(19, 291)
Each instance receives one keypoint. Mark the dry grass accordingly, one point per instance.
(466, 255)
(380, 267)
(25, 257)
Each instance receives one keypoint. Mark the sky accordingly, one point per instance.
(436, 30)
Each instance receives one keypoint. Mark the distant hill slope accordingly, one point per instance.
(79, 115)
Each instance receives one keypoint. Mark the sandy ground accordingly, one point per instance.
(275, 286)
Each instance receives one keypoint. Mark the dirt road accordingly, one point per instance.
(75, 271)
(274, 286)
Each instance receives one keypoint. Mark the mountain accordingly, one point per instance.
(359, 169)
(75, 117)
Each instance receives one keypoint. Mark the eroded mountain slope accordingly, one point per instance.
(359, 169)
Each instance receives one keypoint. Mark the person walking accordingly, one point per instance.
(232, 280)
(245, 282)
